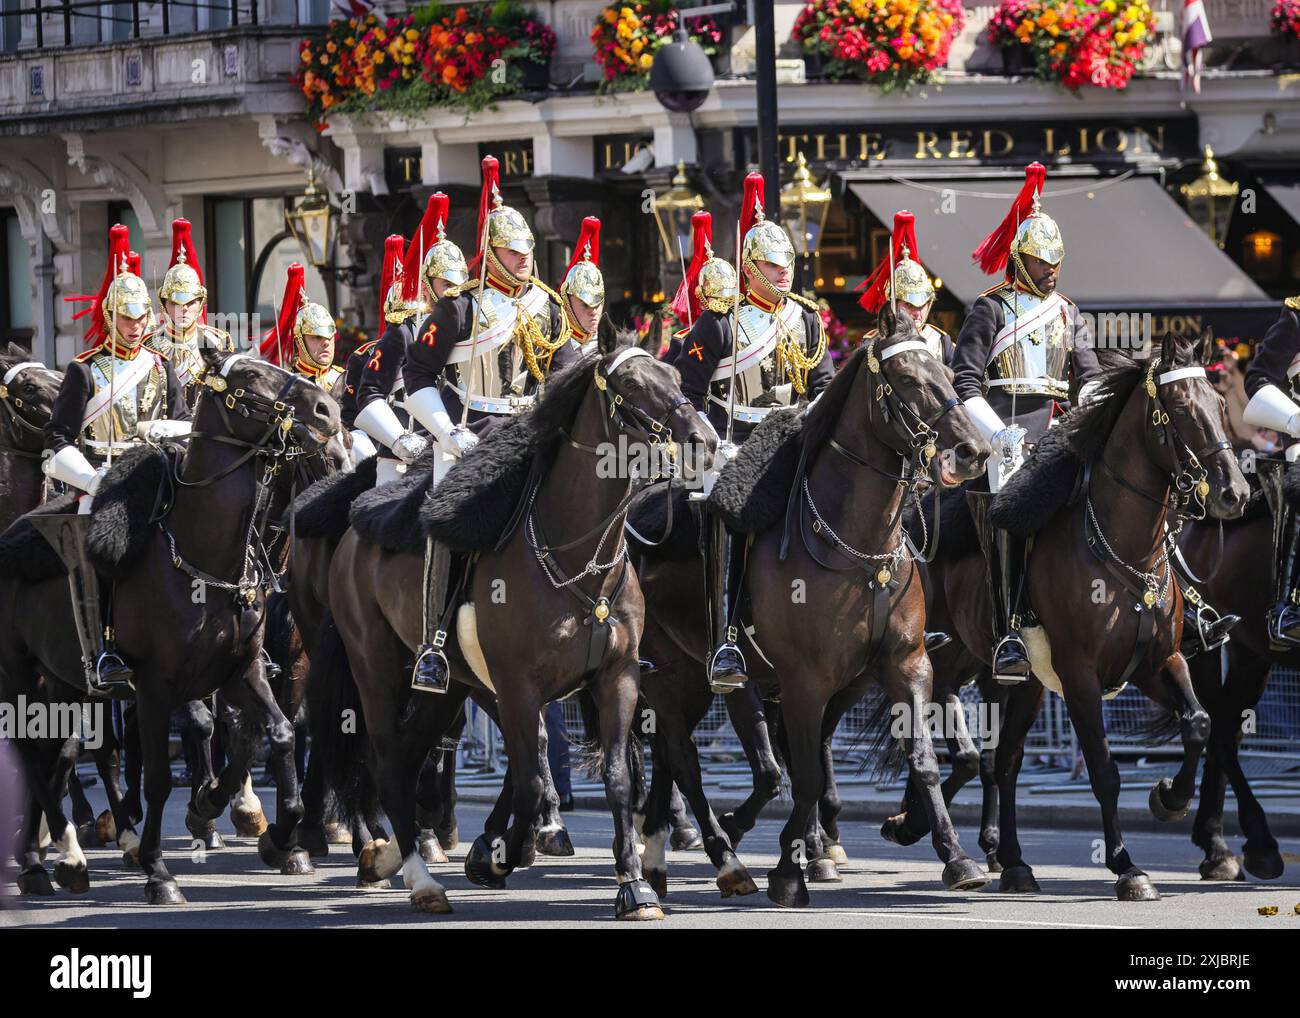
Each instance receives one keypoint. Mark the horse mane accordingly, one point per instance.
(822, 416)
(1088, 428)
(561, 397)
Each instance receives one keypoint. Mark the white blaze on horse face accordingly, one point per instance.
(467, 635)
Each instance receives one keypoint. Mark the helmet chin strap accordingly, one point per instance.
(1023, 277)
(756, 276)
(506, 276)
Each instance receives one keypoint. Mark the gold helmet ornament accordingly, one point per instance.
(505, 227)
(122, 293)
(1025, 230)
(718, 288)
(443, 259)
(909, 281)
(182, 282)
(298, 319)
(764, 241)
(583, 278)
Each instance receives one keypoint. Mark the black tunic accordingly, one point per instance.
(970, 364)
(1275, 352)
(64, 427)
(709, 342)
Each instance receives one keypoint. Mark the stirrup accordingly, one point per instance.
(1006, 676)
(269, 666)
(934, 639)
(647, 667)
(111, 674)
(724, 680)
(1279, 640)
(432, 673)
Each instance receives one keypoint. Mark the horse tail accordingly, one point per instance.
(589, 753)
(279, 633)
(885, 757)
(338, 724)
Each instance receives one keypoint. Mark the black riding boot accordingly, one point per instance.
(722, 566)
(1284, 616)
(1204, 628)
(432, 674)
(1010, 657)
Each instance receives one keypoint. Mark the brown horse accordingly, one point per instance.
(836, 599)
(1154, 452)
(1232, 562)
(535, 626)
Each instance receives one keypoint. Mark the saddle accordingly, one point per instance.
(389, 515)
(753, 490)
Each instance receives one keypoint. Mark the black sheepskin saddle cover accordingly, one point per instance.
(322, 510)
(957, 534)
(754, 488)
(130, 497)
(389, 515)
(1040, 488)
(24, 554)
(647, 517)
(1291, 485)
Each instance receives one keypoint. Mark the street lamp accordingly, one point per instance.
(314, 225)
(673, 212)
(1211, 200)
(804, 207)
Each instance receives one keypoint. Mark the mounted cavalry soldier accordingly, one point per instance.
(1271, 385)
(780, 360)
(310, 328)
(904, 280)
(1019, 350)
(432, 267)
(183, 300)
(687, 302)
(479, 356)
(114, 396)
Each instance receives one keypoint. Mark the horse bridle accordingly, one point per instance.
(12, 405)
(655, 429)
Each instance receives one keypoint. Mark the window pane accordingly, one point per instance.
(231, 290)
(270, 290)
(20, 276)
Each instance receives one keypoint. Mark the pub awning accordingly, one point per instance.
(1286, 193)
(1127, 242)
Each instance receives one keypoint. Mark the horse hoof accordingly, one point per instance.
(1157, 802)
(731, 829)
(637, 902)
(87, 837)
(201, 829)
(736, 882)
(836, 854)
(378, 861)
(1227, 868)
(823, 871)
(35, 882)
(163, 892)
(448, 838)
(372, 885)
(964, 875)
(1136, 886)
(658, 881)
(431, 852)
(249, 823)
(895, 829)
(555, 842)
(528, 854)
(993, 865)
(297, 863)
(685, 839)
(1263, 865)
(336, 834)
(201, 806)
(478, 865)
(214, 842)
(431, 901)
(316, 841)
(1018, 879)
(787, 891)
(72, 878)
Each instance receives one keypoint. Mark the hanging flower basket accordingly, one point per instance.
(1078, 43)
(626, 37)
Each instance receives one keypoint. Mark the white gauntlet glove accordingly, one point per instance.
(408, 446)
(156, 431)
(460, 440)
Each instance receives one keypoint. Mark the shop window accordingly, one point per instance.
(1261, 254)
(16, 311)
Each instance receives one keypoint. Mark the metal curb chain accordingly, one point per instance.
(895, 557)
(1148, 580)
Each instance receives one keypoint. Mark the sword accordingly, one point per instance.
(735, 341)
(112, 370)
(681, 257)
(473, 328)
(893, 290)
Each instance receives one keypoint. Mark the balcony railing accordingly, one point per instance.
(94, 10)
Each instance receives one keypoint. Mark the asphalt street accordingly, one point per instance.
(883, 886)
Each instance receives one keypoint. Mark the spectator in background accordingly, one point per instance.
(557, 754)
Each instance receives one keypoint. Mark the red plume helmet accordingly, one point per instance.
(119, 253)
(276, 341)
(589, 236)
(183, 240)
(133, 262)
(425, 236)
(993, 252)
(488, 196)
(686, 305)
(751, 209)
(876, 286)
(391, 271)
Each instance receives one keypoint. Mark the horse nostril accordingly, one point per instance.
(967, 452)
(323, 410)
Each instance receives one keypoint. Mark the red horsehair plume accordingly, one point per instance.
(432, 227)
(280, 339)
(394, 244)
(993, 252)
(877, 284)
(119, 248)
(686, 305)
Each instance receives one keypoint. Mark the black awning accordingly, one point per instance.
(1287, 194)
(1127, 242)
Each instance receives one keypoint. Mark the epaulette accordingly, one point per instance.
(811, 305)
(546, 290)
(455, 291)
(365, 348)
(1293, 303)
(83, 357)
(226, 344)
(1005, 284)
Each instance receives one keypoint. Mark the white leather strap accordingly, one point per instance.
(229, 362)
(1179, 373)
(903, 347)
(12, 373)
(626, 355)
